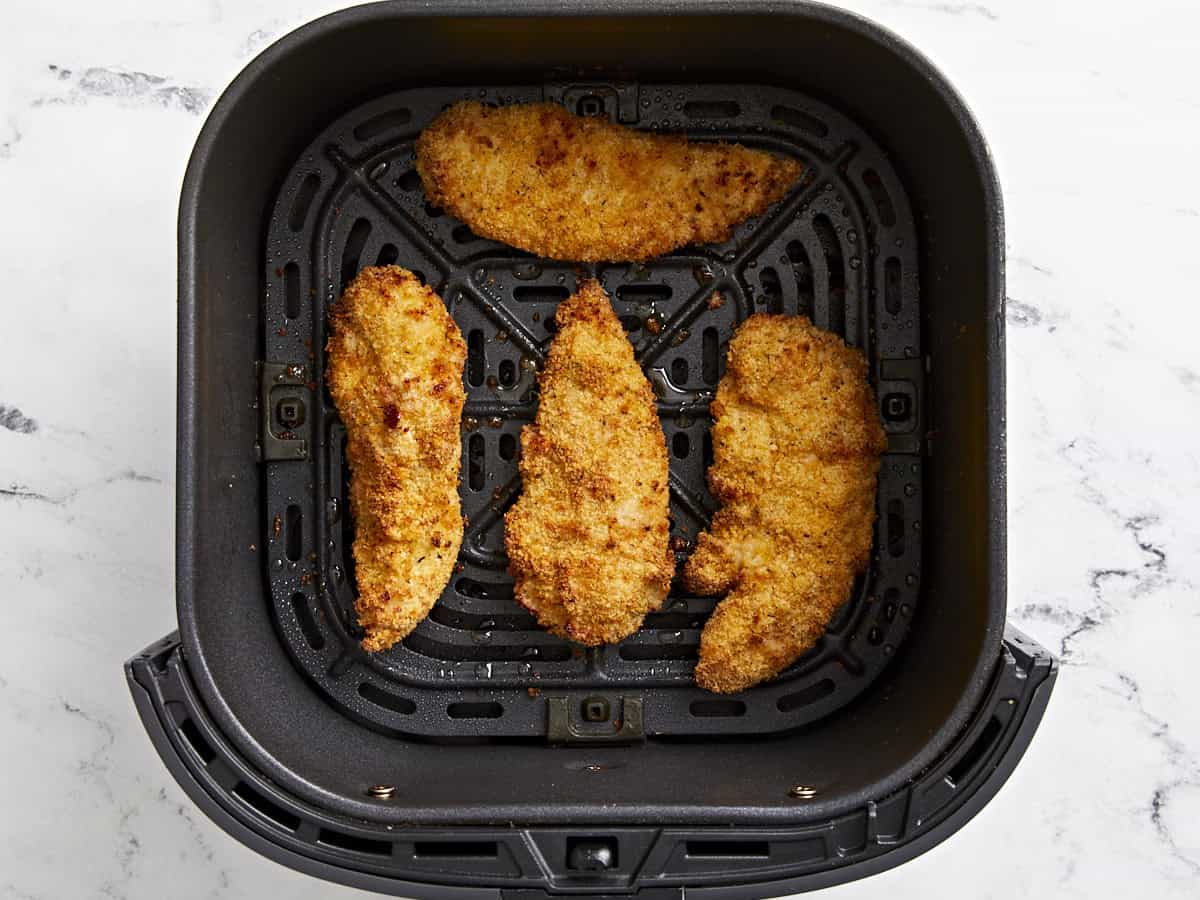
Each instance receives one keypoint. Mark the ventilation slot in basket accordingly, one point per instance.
(803, 272)
(291, 290)
(352, 252)
(540, 293)
(474, 710)
(711, 109)
(972, 757)
(891, 285)
(353, 843)
(895, 528)
(717, 708)
(802, 120)
(645, 294)
(475, 462)
(462, 234)
(806, 697)
(456, 849)
(410, 181)
(728, 849)
(388, 254)
(835, 265)
(508, 373)
(679, 371)
(196, 741)
(476, 362)
(386, 700)
(771, 289)
(308, 624)
(384, 122)
(295, 532)
(880, 197)
(710, 362)
(265, 807)
(303, 200)
(480, 590)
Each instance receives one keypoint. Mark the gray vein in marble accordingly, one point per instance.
(255, 41)
(11, 137)
(1024, 314)
(1141, 579)
(95, 767)
(15, 420)
(1151, 574)
(129, 87)
(127, 854)
(953, 9)
(1030, 264)
(1189, 378)
(133, 475)
(24, 492)
(11, 892)
(1019, 313)
(185, 813)
(21, 492)
(1178, 756)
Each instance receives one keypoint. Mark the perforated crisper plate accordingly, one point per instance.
(840, 248)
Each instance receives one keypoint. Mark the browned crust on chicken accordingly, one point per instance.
(568, 187)
(395, 373)
(796, 445)
(588, 538)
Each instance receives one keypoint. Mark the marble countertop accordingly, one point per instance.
(1094, 119)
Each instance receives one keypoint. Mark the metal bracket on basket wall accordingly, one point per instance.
(562, 729)
(285, 405)
(613, 100)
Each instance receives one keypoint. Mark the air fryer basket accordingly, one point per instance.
(841, 249)
(483, 756)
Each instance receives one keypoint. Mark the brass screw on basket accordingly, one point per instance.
(381, 791)
(802, 792)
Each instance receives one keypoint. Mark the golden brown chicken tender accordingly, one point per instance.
(796, 445)
(395, 373)
(574, 188)
(588, 539)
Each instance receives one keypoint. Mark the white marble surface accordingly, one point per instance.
(1093, 112)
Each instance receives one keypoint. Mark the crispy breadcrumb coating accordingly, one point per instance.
(588, 539)
(569, 187)
(796, 445)
(395, 373)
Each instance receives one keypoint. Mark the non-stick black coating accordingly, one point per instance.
(263, 703)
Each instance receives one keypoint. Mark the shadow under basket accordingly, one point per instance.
(482, 756)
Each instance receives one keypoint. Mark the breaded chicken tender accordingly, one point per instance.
(395, 373)
(575, 188)
(796, 445)
(588, 540)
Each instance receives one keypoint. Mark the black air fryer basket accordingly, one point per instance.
(483, 757)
